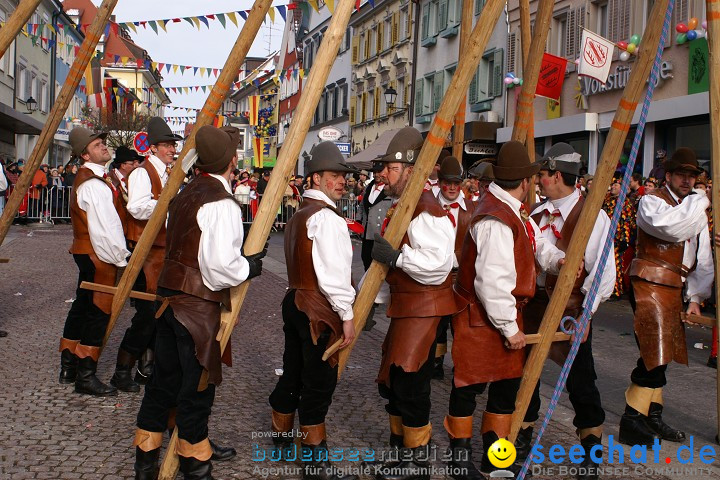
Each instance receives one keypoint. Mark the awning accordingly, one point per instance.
(18, 123)
(363, 160)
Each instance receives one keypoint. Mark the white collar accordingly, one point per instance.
(222, 180)
(158, 164)
(118, 173)
(672, 194)
(96, 168)
(506, 198)
(460, 200)
(432, 182)
(318, 195)
(564, 205)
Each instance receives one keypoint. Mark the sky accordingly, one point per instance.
(185, 45)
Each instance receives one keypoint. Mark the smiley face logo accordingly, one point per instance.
(502, 453)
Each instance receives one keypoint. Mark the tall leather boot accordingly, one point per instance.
(145, 367)
(68, 361)
(589, 438)
(86, 381)
(655, 422)
(494, 427)
(414, 461)
(282, 423)
(634, 428)
(318, 467)
(122, 379)
(147, 452)
(221, 453)
(460, 433)
(195, 459)
(523, 442)
(395, 442)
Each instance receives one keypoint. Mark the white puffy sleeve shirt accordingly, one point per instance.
(95, 198)
(332, 256)
(430, 255)
(220, 253)
(140, 202)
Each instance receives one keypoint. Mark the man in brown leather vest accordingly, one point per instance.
(317, 310)
(420, 295)
(460, 210)
(557, 217)
(145, 185)
(493, 284)
(673, 250)
(204, 260)
(126, 160)
(98, 249)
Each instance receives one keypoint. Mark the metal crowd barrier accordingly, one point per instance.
(249, 203)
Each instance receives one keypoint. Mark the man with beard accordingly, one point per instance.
(673, 251)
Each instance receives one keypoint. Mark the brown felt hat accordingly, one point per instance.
(482, 171)
(159, 131)
(326, 156)
(81, 137)
(444, 153)
(683, 159)
(450, 170)
(513, 162)
(216, 147)
(404, 147)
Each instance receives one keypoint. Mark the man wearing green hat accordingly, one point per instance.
(317, 310)
(204, 260)
(98, 248)
(673, 251)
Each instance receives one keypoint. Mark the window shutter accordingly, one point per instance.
(425, 21)
(409, 20)
(473, 94)
(367, 46)
(478, 6)
(625, 20)
(483, 80)
(353, 101)
(570, 34)
(497, 74)
(355, 46)
(443, 15)
(681, 11)
(379, 37)
(394, 35)
(580, 19)
(363, 107)
(406, 97)
(376, 105)
(438, 90)
(419, 98)
(511, 48)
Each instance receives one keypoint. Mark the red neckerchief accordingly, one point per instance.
(551, 223)
(448, 209)
(528, 226)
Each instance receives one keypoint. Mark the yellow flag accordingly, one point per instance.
(331, 5)
(271, 12)
(313, 4)
(231, 16)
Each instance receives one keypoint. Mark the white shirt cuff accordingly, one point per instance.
(509, 329)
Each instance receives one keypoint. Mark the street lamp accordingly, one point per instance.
(286, 127)
(31, 105)
(390, 96)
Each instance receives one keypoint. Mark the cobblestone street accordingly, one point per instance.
(50, 432)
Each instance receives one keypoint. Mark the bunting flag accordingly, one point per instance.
(552, 75)
(258, 148)
(88, 80)
(253, 109)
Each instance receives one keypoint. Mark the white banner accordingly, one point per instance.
(595, 56)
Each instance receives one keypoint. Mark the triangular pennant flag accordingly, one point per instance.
(162, 24)
(175, 68)
(124, 60)
(331, 5)
(153, 25)
(282, 11)
(131, 26)
(204, 20)
(117, 58)
(271, 12)
(195, 70)
(221, 17)
(243, 14)
(292, 6)
(372, 3)
(204, 88)
(313, 4)
(196, 22)
(189, 20)
(215, 71)
(231, 16)
(167, 67)
(202, 71)
(211, 17)
(182, 68)
(154, 65)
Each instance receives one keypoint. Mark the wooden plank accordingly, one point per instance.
(97, 287)
(15, 23)
(459, 128)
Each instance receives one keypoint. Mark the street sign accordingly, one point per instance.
(344, 148)
(329, 134)
(141, 143)
(481, 148)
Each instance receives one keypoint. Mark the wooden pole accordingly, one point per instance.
(459, 129)
(16, 22)
(267, 211)
(611, 152)
(212, 105)
(87, 50)
(525, 43)
(424, 164)
(713, 37)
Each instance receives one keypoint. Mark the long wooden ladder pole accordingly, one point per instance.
(16, 22)
(611, 152)
(459, 128)
(713, 36)
(212, 105)
(423, 165)
(267, 211)
(87, 50)
(525, 40)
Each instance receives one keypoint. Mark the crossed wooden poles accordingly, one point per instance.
(473, 49)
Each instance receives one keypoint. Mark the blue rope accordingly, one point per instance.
(581, 325)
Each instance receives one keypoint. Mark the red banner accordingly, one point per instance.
(552, 75)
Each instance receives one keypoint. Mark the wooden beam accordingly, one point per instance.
(611, 152)
(15, 23)
(212, 105)
(97, 287)
(713, 37)
(4, 260)
(86, 52)
(459, 128)
(424, 164)
(267, 211)
(525, 36)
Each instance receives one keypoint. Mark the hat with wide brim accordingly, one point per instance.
(482, 171)
(514, 163)
(81, 137)
(124, 154)
(159, 131)
(450, 170)
(326, 157)
(216, 147)
(684, 158)
(561, 157)
(403, 148)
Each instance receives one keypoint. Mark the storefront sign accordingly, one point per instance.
(62, 135)
(619, 79)
(478, 148)
(344, 148)
(699, 67)
(330, 134)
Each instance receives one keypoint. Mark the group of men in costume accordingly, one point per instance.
(484, 266)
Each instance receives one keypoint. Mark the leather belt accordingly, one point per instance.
(682, 270)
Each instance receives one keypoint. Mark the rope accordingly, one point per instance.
(582, 324)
